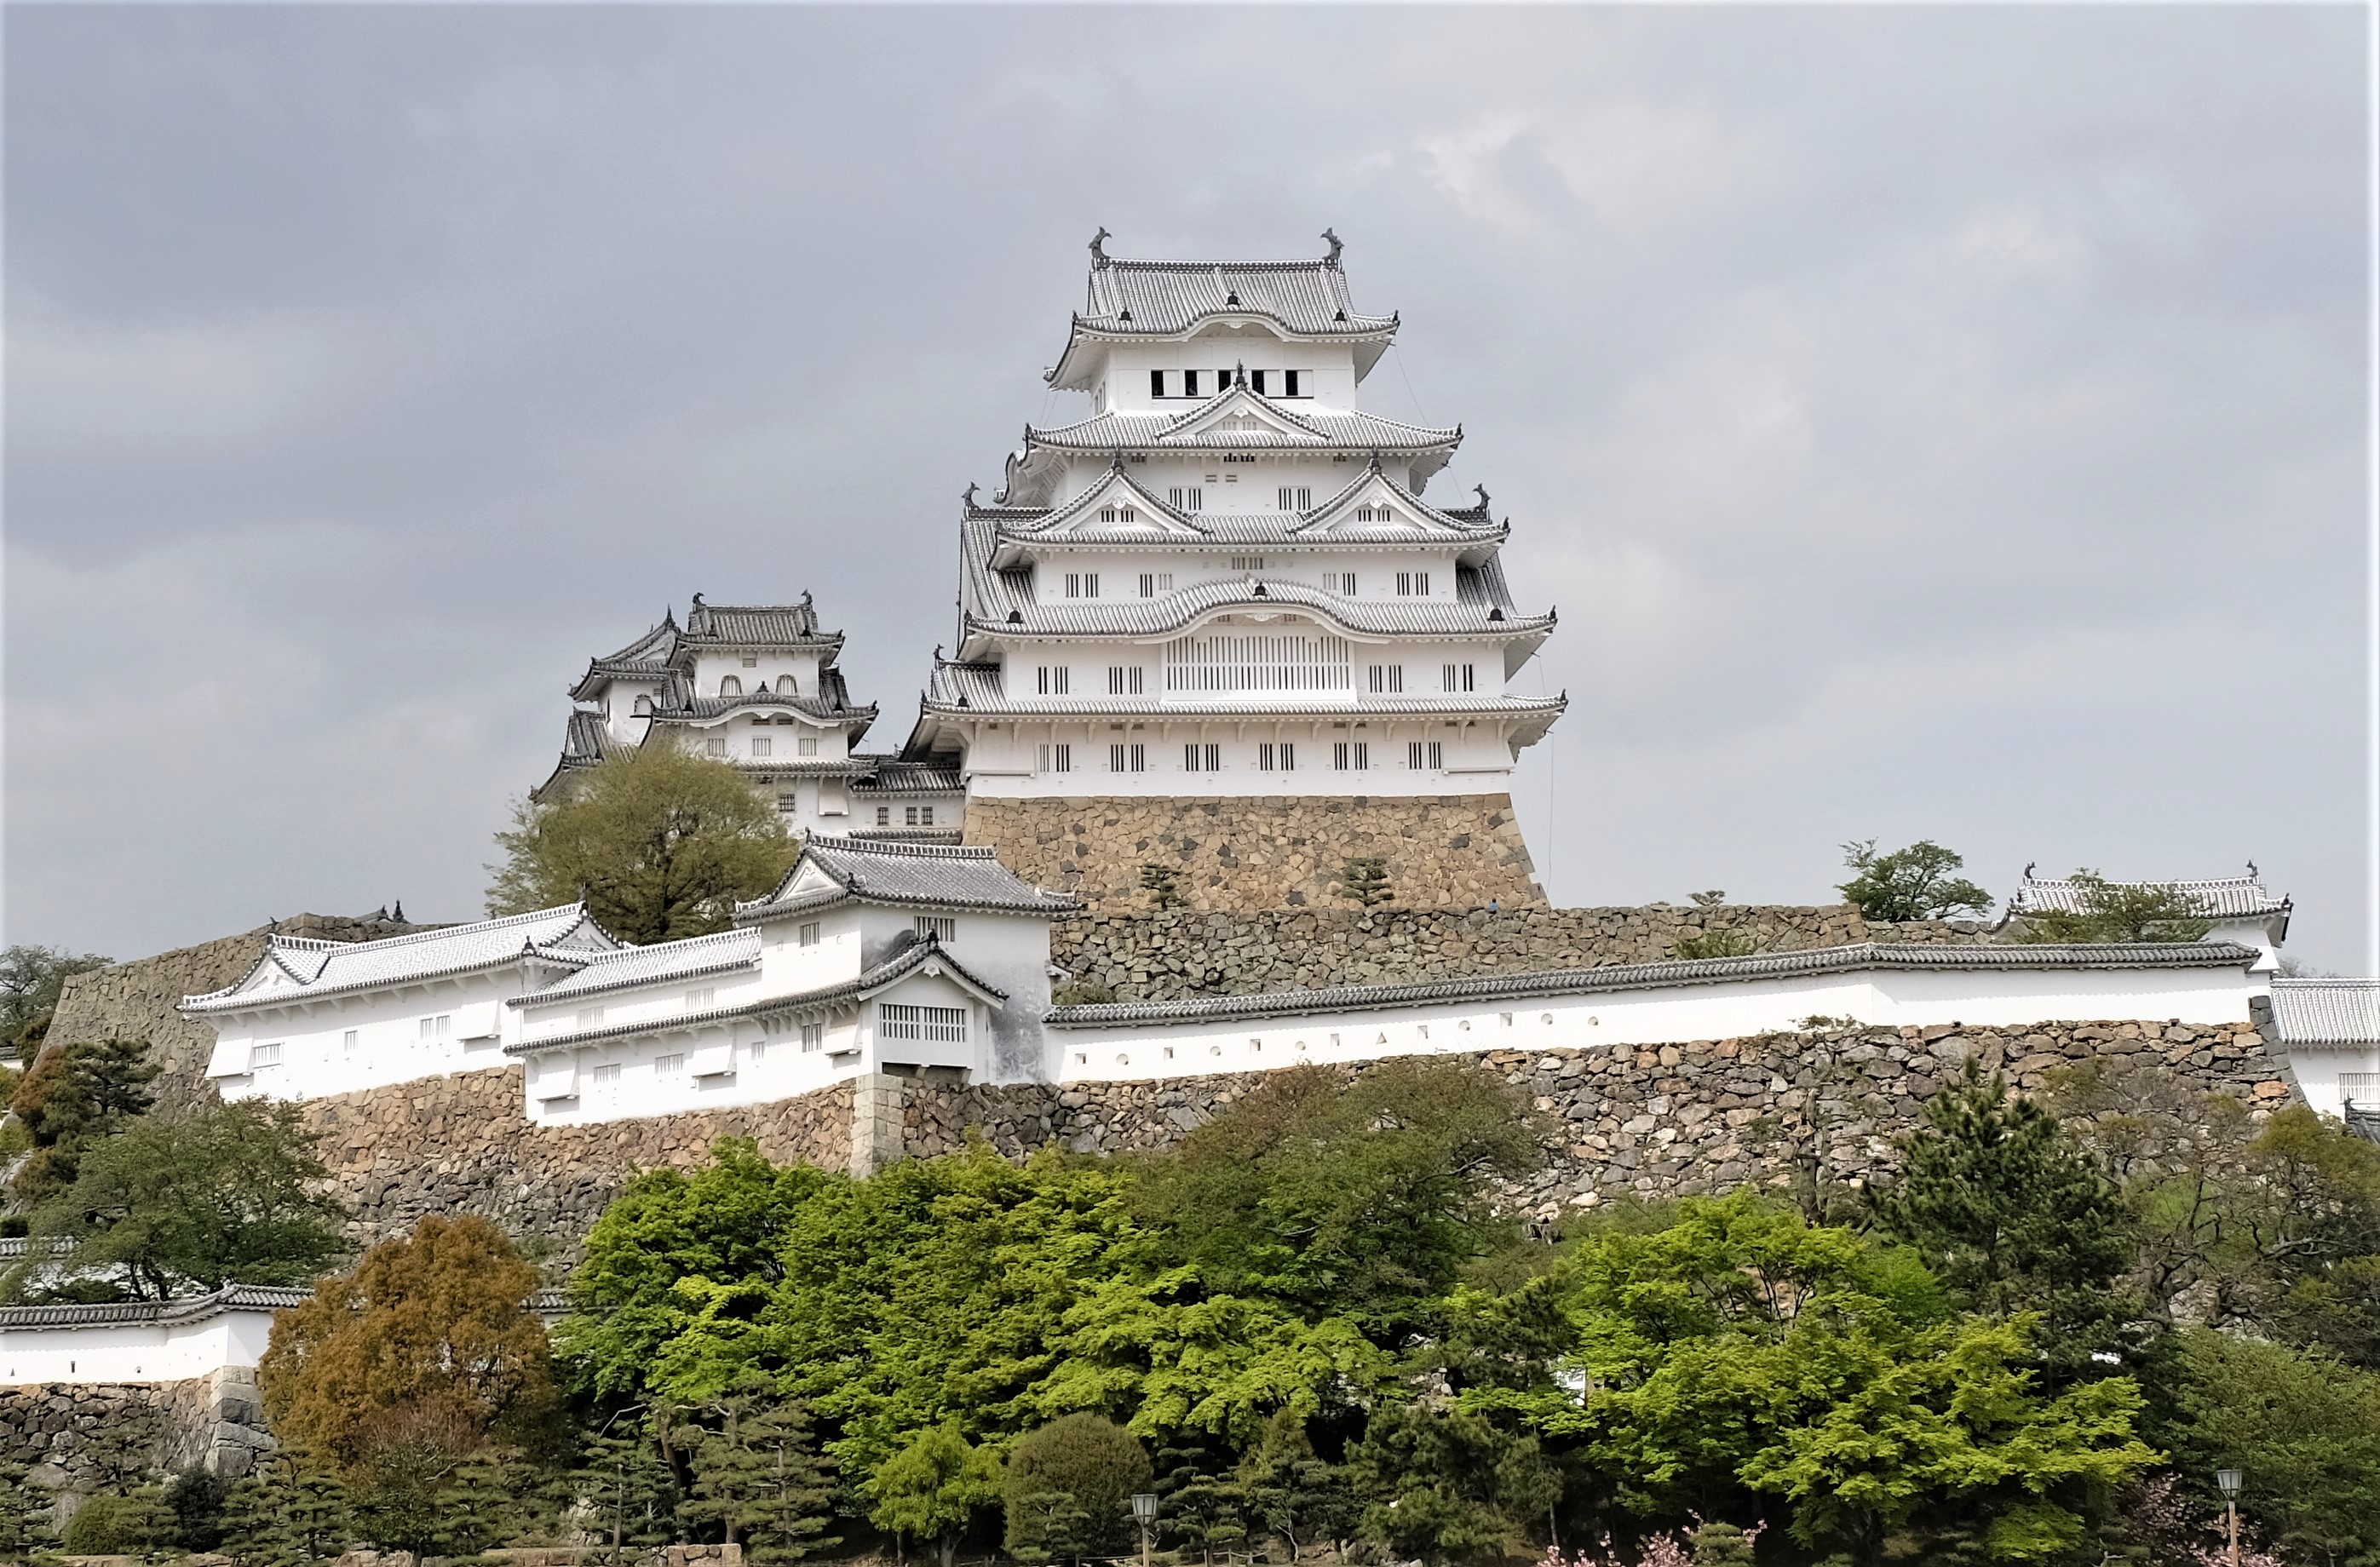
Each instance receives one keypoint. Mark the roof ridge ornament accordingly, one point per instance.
(969, 496)
(1483, 495)
(1099, 244)
(1332, 259)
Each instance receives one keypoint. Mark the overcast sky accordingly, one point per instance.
(1928, 422)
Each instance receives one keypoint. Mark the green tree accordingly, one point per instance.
(759, 1477)
(429, 1346)
(1289, 1489)
(661, 843)
(1363, 881)
(675, 1246)
(1162, 883)
(2303, 1429)
(2120, 911)
(72, 1098)
(479, 1506)
(31, 981)
(1201, 1505)
(632, 1489)
(932, 1488)
(1911, 883)
(1720, 942)
(1448, 1485)
(196, 1198)
(132, 1524)
(1362, 1199)
(196, 1499)
(24, 1511)
(1069, 1488)
(2005, 1209)
(283, 1515)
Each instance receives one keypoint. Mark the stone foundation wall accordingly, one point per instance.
(1145, 955)
(136, 1000)
(461, 1145)
(1266, 853)
(1655, 1121)
(79, 1439)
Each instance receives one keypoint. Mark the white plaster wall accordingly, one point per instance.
(709, 667)
(316, 1060)
(1671, 1016)
(134, 1352)
(1234, 486)
(1331, 365)
(1305, 565)
(2318, 1075)
(1476, 757)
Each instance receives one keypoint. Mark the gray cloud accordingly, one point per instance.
(1930, 422)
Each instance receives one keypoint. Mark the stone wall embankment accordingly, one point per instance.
(1657, 1121)
(82, 1439)
(463, 1145)
(1266, 853)
(136, 1000)
(1163, 956)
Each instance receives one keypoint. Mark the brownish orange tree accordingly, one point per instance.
(430, 1343)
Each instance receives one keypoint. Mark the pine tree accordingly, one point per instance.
(24, 1508)
(1161, 883)
(282, 1516)
(632, 1494)
(1199, 1505)
(932, 1488)
(1292, 1492)
(1364, 880)
(475, 1509)
(760, 1476)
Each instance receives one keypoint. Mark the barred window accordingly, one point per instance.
(1085, 584)
(1128, 759)
(762, 745)
(715, 747)
(934, 1025)
(808, 934)
(1426, 755)
(1276, 756)
(806, 746)
(1124, 680)
(348, 1043)
(607, 1076)
(1196, 758)
(813, 1035)
(1387, 678)
(940, 927)
(1458, 677)
(1341, 582)
(263, 1055)
(1296, 498)
(1247, 562)
(1413, 584)
(1226, 662)
(1052, 681)
(729, 686)
(1351, 755)
(699, 998)
(1152, 583)
(786, 687)
(1059, 758)
(668, 1065)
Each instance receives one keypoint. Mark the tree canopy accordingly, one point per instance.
(2120, 911)
(1911, 883)
(661, 843)
(75, 1097)
(31, 981)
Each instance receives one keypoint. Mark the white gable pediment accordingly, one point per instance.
(1115, 504)
(1239, 413)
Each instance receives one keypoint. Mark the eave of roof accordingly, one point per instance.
(1867, 955)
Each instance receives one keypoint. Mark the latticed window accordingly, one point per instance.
(931, 1024)
(1387, 678)
(940, 927)
(1426, 755)
(1128, 759)
(1226, 662)
(1198, 758)
(1276, 756)
(1458, 677)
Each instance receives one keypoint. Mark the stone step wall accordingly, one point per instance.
(1267, 853)
(1699, 1117)
(79, 1439)
(1142, 955)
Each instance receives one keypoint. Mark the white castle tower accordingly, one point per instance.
(1216, 626)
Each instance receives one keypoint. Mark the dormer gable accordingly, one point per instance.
(1378, 506)
(1239, 411)
(1117, 505)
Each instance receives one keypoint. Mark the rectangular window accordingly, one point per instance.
(806, 747)
(761, 746)
(883, 816)
(668, 1065)
(348, 1041)
(1288, 382)
(756, 1051)
(808, 934)
(1196, 758)
(1152, 583)
(1083, 585)
(1053, 682)
(1413, 584)
(1458, 677)
(590, 1017)
(1428, 755)
(715, 747)
(1256, 381)
(1056, 758)
(813, 1035)
(941, 927)
(1127, 759)
(263, 1055)
(1197, 500)
(607, 1076)
(1387, 678)
(700, 1000)
(1341, 582)
(1157, 383)
(1189, 384)
(1276, 756)
(1352, 757)
(1247, 562)
(751, 661)
(1296, 498)
(1124, 680)
(939, 1025)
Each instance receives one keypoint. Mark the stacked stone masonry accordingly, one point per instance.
(1164, 956)
(136, 1001)
(1263, 853)
(461, 1145)
(79, 1439)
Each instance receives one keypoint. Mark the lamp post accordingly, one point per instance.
(1144, 1512)
(2228, 1481)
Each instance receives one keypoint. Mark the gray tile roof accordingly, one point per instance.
(1169, 297)
(2328, 1012)
(1320, 429)
(977, 688)
(757, 625)
(923, 875)
(2234, 897)
(585, 741)
(892, 775)
(722, 952)
(323, 969)
(116, 1314)
(1007, 611)
(904, 960)
(1647, 976)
